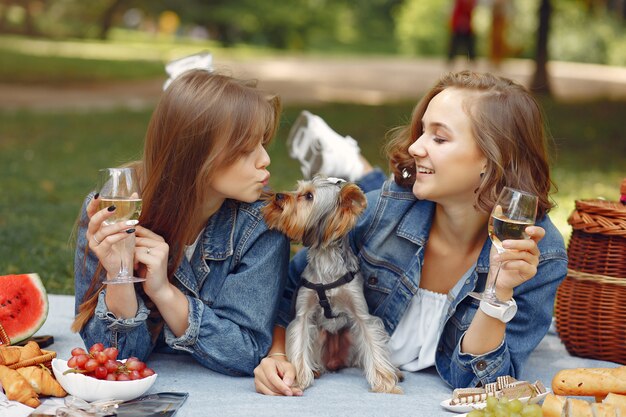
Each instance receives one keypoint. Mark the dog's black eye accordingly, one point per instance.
(308, 196)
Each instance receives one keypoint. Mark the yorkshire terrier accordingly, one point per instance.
(330, 301)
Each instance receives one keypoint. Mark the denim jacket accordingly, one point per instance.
(389, 242)
(233, 284)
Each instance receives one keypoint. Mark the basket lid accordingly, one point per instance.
(600, 216)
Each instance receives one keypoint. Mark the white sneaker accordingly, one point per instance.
(202, 60)
(321, 150)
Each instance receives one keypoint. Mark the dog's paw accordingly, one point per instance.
(304, 379)
(384, 389)
(387, 383)
(400, 375)
(387, 389)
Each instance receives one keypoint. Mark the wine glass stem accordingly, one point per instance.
(490, 291)
(126, 251)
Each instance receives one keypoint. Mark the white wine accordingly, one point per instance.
(502, 228)
(125, 209)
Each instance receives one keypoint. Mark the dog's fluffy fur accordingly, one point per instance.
(320, 213)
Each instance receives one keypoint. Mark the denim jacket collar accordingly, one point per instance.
(413, 227)
(216, 244)
(406, 227)
(217, 239)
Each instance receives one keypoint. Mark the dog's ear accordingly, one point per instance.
(352, 202)
(352, 198)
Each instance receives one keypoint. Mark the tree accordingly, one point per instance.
(106, 20)
(540, 82)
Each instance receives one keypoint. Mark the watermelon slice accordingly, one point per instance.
(23, 305)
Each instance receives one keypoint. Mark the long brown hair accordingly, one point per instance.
(203, 122)
(508, 125)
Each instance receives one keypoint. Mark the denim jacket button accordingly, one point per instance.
(372, 280)
(481, 365)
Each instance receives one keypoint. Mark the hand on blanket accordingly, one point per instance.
(275, 376)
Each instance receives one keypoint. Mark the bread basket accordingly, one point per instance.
(591, 301)
(44, 359)
(4, 338)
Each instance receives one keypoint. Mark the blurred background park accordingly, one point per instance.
(78, 81)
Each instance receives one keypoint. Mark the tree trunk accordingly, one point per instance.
(541, 83)
(106, 21)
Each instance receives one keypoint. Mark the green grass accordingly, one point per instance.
(48, 164)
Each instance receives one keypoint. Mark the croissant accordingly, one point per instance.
(9, 355)
(29, 351)
(17, 388)
(42, 381)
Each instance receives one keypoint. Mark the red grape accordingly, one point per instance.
(72, 362)
(78, 351)
(96, 347)
(100, 372)
(135, 365)
(146, 372)
(111, 366)
(91, 365)
(101, 357)
(123, 377)
(81, 360)
(111, 352)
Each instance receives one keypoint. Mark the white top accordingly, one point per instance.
(190, 249)
(414, 342)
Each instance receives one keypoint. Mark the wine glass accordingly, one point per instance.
(120, 187)
(513, 212)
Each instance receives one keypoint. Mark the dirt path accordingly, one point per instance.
(310, 80)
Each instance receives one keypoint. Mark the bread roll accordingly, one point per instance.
(603, 410)
(9, 354)
(553, 405)
(590, 382)
(577, 408)
(29, 351)
(619, 401)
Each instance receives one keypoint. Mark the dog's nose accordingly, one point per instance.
(280, 196)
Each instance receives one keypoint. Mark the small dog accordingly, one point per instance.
(330, 300)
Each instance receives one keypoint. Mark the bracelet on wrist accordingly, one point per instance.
(271, 355)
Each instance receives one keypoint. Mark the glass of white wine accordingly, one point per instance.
(119, 187)
(513, 212)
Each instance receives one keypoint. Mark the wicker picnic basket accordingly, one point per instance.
(591, 301)
(44, 359)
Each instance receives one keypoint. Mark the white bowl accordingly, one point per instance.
(92, 389)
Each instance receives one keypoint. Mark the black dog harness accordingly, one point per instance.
(322, 288)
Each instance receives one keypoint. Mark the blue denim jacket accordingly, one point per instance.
(233, 284)
(389, 242)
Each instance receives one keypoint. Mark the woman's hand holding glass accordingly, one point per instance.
(102, 236)
(150, 253)
(120, 196)
(512, 216)
(518, 263)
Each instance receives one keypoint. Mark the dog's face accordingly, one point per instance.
(318, 212)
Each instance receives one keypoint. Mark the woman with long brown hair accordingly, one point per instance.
(213, 270)
(423, 242)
